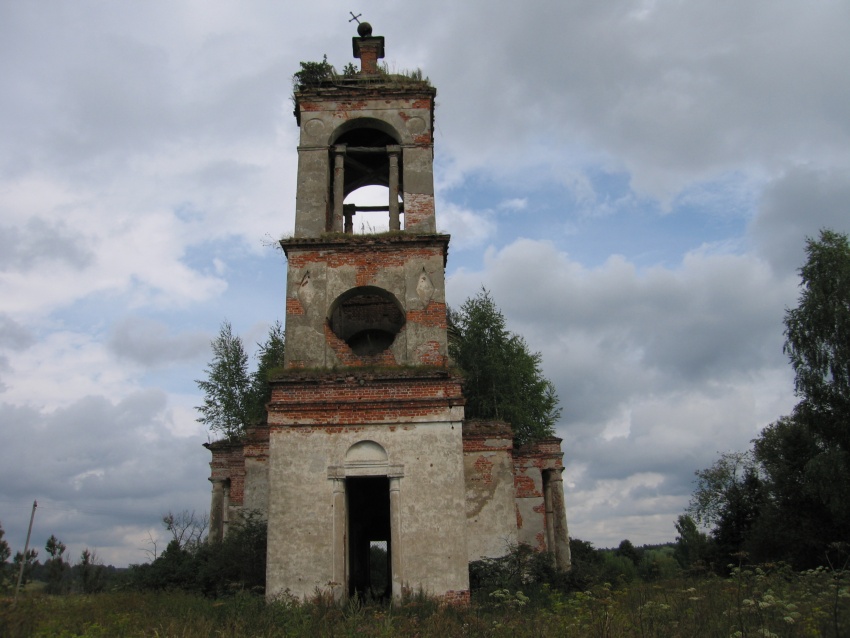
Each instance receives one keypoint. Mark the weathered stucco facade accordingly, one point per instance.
(365, 439)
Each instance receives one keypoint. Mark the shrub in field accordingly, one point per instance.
(211, 568)
(618, 570)
(658, 564)
(587, 564)
(56, 567)
(89, 574)
(236, 562)
(520, 568)
(5, 568)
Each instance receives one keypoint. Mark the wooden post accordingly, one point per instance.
(26, 549)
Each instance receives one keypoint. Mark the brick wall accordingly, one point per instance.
(228, 463)
(418, 207)
(395, 396)
(529, 463)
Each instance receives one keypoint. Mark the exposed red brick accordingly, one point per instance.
(524, 486)
(293, 306)
(484, 471)
(228, 464)
(433, 315)
(343, 108)
(417, 208)
(350, 400)
(456, 598)
(540, 537)
(429, 354)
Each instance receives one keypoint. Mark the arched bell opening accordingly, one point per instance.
(366, 153)
(365, 210)
(367, 318)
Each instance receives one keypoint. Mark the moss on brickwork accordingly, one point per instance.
(369, 372)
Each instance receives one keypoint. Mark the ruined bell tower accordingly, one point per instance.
(365, 446)
(365, 422)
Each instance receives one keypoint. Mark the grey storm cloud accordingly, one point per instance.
(798, 205)
(674, 91)
(150, 343)
(14, 335)
(670, 361)
(39, 241)
(95, 462)
(717, 315)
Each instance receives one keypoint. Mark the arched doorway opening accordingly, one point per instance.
(369, 545)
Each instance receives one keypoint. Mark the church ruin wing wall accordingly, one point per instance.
(541, 516)
(490, 495)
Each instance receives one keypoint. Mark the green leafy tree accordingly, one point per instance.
(313, 74)
(728, 497)
(269, 358)
(29, 564)
(56, 566)
(225, 409)
(818, 339)
(692, 546)
(806, 456)
(237, 562)
(797, 524)
(502, 378)
(659, 564)
(5, 552)
(587, 566)
(234, 398)
(627, 550)
(90, 572)
(790, 503)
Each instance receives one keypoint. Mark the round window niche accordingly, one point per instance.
(367, 319)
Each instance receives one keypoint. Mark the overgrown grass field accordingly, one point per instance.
(765, 601)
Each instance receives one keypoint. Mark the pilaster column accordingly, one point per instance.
(559, 514)
(217, 510)
(393, 153)
(550, 512)
(225, 508)
(339, 535)
(395, 537)
(339, 187)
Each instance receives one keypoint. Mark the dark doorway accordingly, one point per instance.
(369, 574)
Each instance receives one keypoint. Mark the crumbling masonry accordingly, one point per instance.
(365, 440)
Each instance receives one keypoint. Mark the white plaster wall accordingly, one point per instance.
(431, 502)
(531, 510)
(316, 286)
(256, 496)
(490, 504)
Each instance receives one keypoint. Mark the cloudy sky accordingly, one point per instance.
(633, 181)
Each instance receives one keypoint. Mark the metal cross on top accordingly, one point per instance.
(354, 17)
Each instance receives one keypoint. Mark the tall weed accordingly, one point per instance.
(767, 600)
